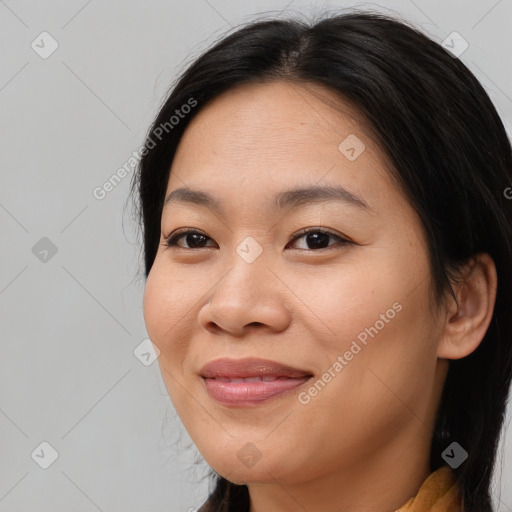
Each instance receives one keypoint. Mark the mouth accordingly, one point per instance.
(250, 381)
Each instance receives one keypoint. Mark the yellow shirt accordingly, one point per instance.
(438, 493)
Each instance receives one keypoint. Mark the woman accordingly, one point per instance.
(327, 243)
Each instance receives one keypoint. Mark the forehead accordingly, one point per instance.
(261, 137)
(273, 118)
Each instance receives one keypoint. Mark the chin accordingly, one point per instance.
(232, 467)
(248, 476)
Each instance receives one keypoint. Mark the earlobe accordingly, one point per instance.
(468, 319)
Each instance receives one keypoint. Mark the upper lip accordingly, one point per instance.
(249, 367)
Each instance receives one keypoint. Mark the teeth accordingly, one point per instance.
(267, 378)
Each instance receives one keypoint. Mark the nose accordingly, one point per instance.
(249, 297)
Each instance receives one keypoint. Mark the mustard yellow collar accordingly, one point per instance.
(438, 493)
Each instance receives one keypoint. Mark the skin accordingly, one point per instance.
(362, 443)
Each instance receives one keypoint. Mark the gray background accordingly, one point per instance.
(71, 320)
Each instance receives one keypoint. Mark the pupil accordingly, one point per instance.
(194, 237)
(317, 239)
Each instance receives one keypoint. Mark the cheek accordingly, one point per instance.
(166, 310)
(351, 302)
(165, 316)
(376, 317)
(379, 385)
(155, 307)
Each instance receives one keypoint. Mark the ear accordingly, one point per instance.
(467, 322)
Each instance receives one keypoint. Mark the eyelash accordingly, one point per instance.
(172, 240)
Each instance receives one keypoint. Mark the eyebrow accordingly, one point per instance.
(293, 198)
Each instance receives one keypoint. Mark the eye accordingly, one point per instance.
(193, 238)
(319, 238)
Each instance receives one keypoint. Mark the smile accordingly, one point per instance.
(250, 381)
(251, 391)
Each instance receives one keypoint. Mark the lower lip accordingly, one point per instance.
(250, 393)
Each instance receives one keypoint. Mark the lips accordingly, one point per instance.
(249, 368)
(250, 381)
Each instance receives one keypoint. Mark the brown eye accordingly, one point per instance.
(193, 239)
(318, 239)
(315, 239)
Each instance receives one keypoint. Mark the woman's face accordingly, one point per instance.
(354, 318)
